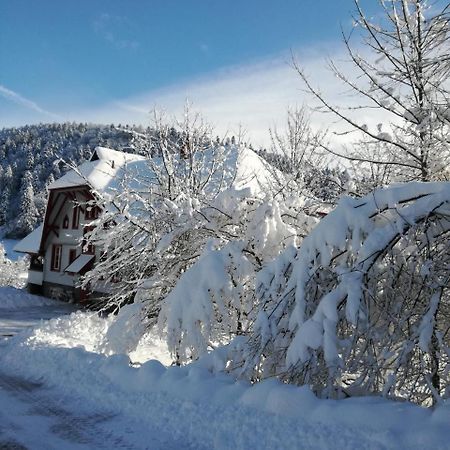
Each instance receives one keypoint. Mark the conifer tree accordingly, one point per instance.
(28, 213)
(4, 205)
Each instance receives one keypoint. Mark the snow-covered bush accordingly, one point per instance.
(150, 216)
(157, 247)
(214, 300)
(12, 273)
(211, 302)
(362, 307)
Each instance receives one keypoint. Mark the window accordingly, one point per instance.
(65, 222)
(72, 255)
(75, 217)
(91, 213)
(36, 263)
(56, 257)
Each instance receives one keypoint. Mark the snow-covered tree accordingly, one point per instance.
(27, 220)
(298, 144)
(4, 205)
(149, 221)
(214, 300)
(196, 203)
(402, 71)
(210, 304)
(296, 152)
(362, 306)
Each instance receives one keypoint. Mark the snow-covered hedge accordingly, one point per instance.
(362, 307)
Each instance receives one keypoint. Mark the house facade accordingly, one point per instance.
(58, 249)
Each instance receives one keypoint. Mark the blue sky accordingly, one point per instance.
(113, 61)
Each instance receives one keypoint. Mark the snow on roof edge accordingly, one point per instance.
(109, 154)
(103, 166)
(79, 263)
(31, 242)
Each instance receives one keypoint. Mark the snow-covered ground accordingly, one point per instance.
(8, 245)
(60, 387)
(20, 310)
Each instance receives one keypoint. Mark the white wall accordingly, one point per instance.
(69, 239)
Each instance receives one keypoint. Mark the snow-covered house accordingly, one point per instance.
(60, 255)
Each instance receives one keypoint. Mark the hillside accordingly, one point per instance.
(33, 156)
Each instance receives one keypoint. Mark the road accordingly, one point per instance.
(14, 321)
(39, 417)
(33, 416)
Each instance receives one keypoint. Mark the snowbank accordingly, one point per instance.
(92, 333)
(12, 298)
(214, 411)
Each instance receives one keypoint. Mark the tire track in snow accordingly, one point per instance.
(41, 422)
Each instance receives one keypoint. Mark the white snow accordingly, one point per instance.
(214, 411)
(20, 310)
(79, 263)
(251, 171)
(60, 363)
(103, 174)
(31, 242)
(98, 173)
(12, 298)
(8, 246)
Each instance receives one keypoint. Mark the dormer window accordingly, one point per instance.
(65, 224)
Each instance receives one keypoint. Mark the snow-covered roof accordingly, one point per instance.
(79, 263)
(252, 171)
(244, 167)
(99, 171)
(31, 242)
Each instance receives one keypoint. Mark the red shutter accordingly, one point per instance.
(75, 217)
(72, 255)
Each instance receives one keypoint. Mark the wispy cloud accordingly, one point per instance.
(117, 30)
(253, 96)
(18, 99)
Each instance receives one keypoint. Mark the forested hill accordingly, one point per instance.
(33, 156)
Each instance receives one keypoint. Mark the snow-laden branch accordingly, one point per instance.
(362, 305)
